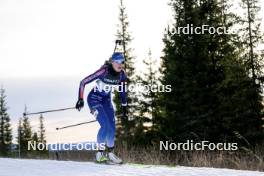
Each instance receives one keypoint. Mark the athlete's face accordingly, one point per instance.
(117, 66)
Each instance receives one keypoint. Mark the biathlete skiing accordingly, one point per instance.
(111, 74)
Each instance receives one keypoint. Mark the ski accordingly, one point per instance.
(109, 163)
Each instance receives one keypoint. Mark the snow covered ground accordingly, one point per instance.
(17, 167)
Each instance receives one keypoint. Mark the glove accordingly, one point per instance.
(124, 111)
(79, 104)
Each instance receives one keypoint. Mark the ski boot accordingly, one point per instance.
(112, 157)
(100, 157)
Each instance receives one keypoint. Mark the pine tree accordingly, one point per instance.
(24, 135)
(42, 136)
(251, 38)
(19, 136)
(35, 141)
(242, 100)
(124, 126)
(35, 138)
(251, 107)
(150, 80)
(211, 97)
(147, 101)
(190, 68)
(5, 126)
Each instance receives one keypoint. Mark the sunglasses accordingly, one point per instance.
(119, 61)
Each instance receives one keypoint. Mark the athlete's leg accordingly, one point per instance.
(109, 110)
(110, 138)
(95, 103)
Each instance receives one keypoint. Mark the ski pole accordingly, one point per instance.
(68, 126)
(42, 112)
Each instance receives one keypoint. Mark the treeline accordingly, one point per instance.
(216, 79)
(25, 133)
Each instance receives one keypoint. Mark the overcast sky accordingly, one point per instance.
(47, 47)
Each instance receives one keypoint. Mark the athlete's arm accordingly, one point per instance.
(90, 79)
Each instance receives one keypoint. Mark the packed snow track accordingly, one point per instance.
(30, 167)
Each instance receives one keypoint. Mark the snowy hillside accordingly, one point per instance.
(16, 167)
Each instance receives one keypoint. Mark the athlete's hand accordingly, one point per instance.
(79, 104)
(124, 112)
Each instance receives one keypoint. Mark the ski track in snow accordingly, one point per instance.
(30, 167)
